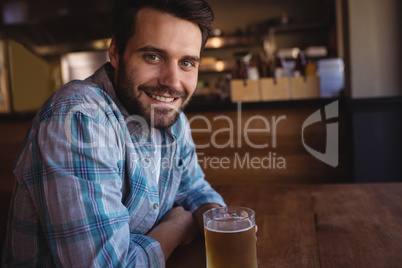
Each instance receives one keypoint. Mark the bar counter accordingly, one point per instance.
(327, 225)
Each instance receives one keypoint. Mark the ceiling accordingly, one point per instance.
(50, 28)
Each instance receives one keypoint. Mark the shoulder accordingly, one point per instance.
(76, 96)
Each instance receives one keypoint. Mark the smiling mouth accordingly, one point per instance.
(161, 98)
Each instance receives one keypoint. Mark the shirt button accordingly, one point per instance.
(156, 205)
(148, 159)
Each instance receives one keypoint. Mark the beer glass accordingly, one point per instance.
(230, 237)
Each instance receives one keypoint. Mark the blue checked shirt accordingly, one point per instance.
(86, 193)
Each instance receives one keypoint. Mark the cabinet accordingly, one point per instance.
(221, 53)
(301, 36)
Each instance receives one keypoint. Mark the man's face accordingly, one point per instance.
(157, 74)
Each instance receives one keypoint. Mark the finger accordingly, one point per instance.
(256, 230)
(243, 214)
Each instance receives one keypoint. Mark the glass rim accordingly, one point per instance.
(226, 208)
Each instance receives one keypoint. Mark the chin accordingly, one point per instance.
(165, 119)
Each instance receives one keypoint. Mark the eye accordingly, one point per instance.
(151, 57)
(187, 63)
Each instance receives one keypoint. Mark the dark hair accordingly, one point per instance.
(125, 17)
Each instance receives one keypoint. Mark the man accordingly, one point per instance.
(108, 175)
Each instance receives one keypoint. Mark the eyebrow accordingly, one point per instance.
(164, 52)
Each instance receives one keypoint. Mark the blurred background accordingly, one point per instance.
(277, 57)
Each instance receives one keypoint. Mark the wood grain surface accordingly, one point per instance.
(235, 136)
(331, 225)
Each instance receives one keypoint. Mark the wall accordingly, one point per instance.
(375, 48)
(374, 66)
(11, 137)
(374, 38)
(265, 145)
(377, 145)
(29, 78)
(233, 14)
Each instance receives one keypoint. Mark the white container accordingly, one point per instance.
(332, 76)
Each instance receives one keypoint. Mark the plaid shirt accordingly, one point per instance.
(86, 193)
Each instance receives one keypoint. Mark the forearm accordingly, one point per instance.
(168, 236)
(175, 228)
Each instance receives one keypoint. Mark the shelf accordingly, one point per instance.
(230, 41)
(298, 28)
(216, 67)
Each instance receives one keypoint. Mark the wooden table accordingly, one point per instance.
(338, 225)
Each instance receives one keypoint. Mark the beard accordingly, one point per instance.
(156, 116)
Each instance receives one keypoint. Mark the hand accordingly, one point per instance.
(183, 221)
(245, 215)
(256, 230)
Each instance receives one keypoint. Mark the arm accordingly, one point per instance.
(177, 227)
(195, 193)
(77, 192)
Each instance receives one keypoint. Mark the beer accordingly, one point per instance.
(230, 242)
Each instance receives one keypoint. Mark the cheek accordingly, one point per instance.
(142, 75)
(138, 72)
(191, 83)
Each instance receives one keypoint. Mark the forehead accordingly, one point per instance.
(164, 31)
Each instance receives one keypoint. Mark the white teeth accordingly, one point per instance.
(159, 98)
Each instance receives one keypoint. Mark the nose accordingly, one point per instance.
(170, 76)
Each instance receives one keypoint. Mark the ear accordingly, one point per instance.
(113, 53)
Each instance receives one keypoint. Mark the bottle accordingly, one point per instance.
(279, 70)
(311, 68)
(263, 65)
(300, 65)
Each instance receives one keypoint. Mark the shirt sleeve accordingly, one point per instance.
(194, 190)
(73, 171)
